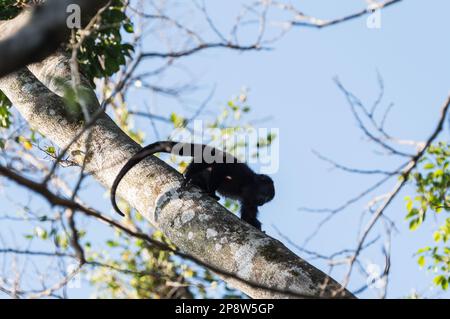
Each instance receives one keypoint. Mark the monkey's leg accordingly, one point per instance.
(199, 175)
(217, 177)
(194, 169)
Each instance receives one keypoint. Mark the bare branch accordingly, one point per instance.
(410, 166)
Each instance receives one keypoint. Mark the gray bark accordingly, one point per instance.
(195, 223)
(40, 32)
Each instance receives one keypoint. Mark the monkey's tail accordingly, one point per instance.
(178, 148)
(158, 147)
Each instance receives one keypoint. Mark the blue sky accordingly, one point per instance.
(293, 83)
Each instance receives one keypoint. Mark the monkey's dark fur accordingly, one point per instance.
(212, 170)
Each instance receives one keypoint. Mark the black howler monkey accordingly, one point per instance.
(212, 170)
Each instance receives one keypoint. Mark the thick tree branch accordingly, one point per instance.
(34, 35)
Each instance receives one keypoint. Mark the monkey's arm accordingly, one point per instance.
(249, 214)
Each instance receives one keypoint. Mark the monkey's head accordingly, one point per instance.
(262, 190)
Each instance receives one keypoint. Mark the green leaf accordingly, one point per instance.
(41, 233)
(412, 212)
(112, 243)
(128, 27)
(424, 250)
(51, 150)
(437, 236)
(444, 284)
(177, 120)
(414, 224)
(441, 281)
(409, 206)
(421, 261)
